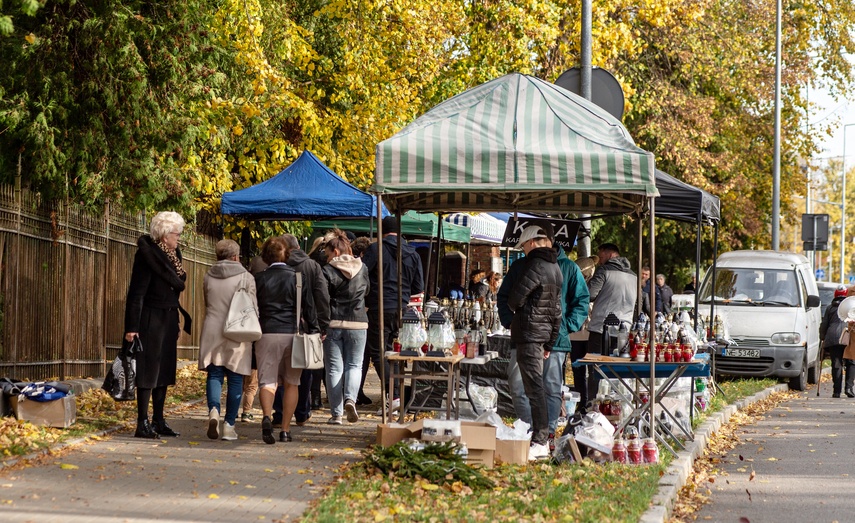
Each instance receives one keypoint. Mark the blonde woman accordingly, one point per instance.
(151, 313)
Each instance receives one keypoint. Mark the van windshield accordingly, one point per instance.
(751, 287)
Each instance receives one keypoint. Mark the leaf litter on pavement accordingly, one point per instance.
(696, 492)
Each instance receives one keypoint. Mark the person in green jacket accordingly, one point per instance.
(574, 307)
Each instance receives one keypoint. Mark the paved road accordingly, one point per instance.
(802, 456)
(186, 479)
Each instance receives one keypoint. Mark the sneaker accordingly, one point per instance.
(246, 417)
(267, 430)
(334, 420)
(229, 433)
(391, 409)
(537, 451)
(214, 423)
(350, 410)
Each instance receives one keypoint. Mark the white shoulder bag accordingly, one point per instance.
(307, 351)
(242, 321)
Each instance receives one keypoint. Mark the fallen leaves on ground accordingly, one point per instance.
(696, 492)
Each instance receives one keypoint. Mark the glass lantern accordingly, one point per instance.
(413, 335)
(438, 332)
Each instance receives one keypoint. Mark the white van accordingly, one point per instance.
(769, 303)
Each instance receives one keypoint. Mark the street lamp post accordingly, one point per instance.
(843, 210)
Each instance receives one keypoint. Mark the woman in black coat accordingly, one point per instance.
(151, 313)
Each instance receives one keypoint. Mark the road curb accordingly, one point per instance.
(678, 471)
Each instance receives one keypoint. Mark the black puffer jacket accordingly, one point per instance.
(276, 290)
(535, 299)
(348, 286)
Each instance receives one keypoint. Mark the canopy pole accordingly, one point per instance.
(428, 272)
(439, 252)
(652, 345)
(640, 301)
(697, 267)
(380, 318)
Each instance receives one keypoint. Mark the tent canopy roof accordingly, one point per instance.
(413, 225)
(680, 201)
(484, 228)
(515, 143)
(305, 189)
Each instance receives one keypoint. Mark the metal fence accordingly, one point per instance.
(64, 276)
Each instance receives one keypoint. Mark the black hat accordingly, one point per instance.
(390, 224)
(350, 236)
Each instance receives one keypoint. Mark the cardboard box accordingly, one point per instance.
(61, 413)
(390, 433)
(512, 451)
(480, 438)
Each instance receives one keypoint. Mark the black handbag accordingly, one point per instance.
(120, 382)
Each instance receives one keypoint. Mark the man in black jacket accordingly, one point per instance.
(412, 282)
(535, 300)
(316, 293)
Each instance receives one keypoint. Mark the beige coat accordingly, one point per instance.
(220, 284)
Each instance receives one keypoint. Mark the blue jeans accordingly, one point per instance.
(515, 385)
(214, 389)
(343, 350)
(553, 374)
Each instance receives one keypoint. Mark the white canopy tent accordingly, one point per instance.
(482, 227)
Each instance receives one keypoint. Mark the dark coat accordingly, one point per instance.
(832, 326)
(412, 279)
(535, 299)
(348, 285)
(152, 310)
(276, 290)
(315, 291)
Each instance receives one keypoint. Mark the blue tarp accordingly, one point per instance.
(306, 189)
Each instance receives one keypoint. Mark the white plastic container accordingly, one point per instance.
(570, 400)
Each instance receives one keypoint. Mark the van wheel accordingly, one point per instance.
(800, 382)
(814, 372)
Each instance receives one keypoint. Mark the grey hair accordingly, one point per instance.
(164, 223)
(227, 249)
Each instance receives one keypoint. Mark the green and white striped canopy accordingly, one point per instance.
(515, 143)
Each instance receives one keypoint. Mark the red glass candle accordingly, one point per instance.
(633, 452)
(619, 453)
(650, 451)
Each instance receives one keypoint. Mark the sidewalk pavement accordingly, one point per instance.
(190, 478)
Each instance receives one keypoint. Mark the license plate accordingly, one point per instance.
(741, 353)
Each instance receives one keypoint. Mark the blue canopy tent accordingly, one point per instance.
(307, 189)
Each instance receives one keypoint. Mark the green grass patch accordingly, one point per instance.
(585, 492)
(541, 492)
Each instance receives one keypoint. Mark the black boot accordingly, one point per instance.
(144, 430)
(163, 429)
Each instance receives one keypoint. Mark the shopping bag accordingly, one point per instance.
(120, 382)
(242, 321)
(307, 351)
